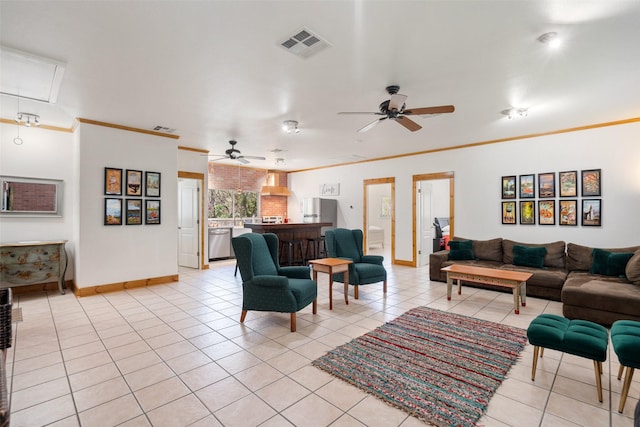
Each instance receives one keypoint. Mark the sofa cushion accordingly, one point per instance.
(527, 256)
(546, 278)
(460, 250)
(609, 263)
(604, 293)
(632, 270)
(486, 250)
(555, 256)
(579, 258)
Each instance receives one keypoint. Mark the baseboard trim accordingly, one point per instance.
(121, 286)
(404, 262)
(38, 287)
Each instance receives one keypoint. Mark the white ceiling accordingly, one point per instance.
(214, 70)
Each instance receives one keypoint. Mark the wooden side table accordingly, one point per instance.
(332, 266)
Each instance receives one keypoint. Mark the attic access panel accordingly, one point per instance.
(29, 76)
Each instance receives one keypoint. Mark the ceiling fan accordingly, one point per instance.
(234, 154)
(394, 109)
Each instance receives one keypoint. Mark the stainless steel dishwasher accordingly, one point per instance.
(219, 242)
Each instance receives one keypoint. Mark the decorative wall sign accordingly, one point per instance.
(330, 190)
(112, 182)
(112, 211)
(152, 184)
(509, 187)
(568, 182)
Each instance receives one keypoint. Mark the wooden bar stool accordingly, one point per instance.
(290, 249)
(316, 247)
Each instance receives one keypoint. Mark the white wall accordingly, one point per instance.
(113, 254)
(478, 171)
(44, 154)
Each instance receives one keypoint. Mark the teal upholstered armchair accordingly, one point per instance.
(265, 285)
(344, 243)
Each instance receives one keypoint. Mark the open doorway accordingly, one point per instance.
(190, 224)
(433, 198)
(379, 217)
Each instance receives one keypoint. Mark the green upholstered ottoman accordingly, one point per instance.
(578, 337)
(625, 337)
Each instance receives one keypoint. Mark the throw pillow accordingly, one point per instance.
(632, 270)
(526, 256)
(609, 263)
(460, 250)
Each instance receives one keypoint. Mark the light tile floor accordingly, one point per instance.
(176, 355)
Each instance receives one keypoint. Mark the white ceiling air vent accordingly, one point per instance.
(164, 129)
(304, 43)
(29, 76)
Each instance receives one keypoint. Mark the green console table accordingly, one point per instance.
(30, 262)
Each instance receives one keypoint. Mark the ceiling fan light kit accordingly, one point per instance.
(395, 109)
(550, 39)
(512, 113)
(290, 126)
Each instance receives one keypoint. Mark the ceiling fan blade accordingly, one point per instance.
(430, 110)
(408, 123)
(397, 101)
(254, 157)
(242, 160)
(361, 112)
(371, 125)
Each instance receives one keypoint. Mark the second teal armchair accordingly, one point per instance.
(366, 269)
(265, 285)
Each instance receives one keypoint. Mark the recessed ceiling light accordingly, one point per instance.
(550, 39)
(512, 113)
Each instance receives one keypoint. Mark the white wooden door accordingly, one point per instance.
(426, 231)
(188, 223)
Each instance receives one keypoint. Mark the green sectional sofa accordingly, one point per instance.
(587, 287)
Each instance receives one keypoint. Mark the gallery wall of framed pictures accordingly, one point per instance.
(552, 198)
(124, 202)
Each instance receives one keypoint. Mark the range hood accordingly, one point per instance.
(273, 186)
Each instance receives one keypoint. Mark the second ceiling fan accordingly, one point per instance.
(394, 109)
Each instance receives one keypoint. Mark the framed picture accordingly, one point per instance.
(527, 186)
(547, 212)
(508, 212)
(112, 211)
(568, 183)
(592, 212)
(152, 184)
(134, 211)
(134, 183)
(547, 185)
(568, 212)
(527, 212)
(112, 182)
(152, 212)
(330, 189)
(591, 183)
(509, 187)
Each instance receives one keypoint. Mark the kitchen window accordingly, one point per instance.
(233, 204)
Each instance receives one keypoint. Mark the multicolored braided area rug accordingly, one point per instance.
(440, 367)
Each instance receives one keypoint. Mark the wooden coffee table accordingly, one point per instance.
(332, 266)
(515, 280)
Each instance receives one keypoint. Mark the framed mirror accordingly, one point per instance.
(23, 196)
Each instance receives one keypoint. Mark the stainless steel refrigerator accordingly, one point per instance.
(315, 209)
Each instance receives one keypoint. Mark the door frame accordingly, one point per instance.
(200, 178)
(431, 177)
(376, 181)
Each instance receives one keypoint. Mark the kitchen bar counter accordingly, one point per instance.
(292, 231)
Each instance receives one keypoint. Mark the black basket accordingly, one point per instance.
(5, 318)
